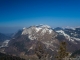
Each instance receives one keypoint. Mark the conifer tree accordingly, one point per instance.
(62, 53)
(40, 51)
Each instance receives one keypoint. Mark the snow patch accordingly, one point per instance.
(48, 44)
(5, 43)
(24, 28)
(31, 37)
(72, 39)
(45, 26)
(38, 29)
(66, 35)
(75, 38)
(70, 28)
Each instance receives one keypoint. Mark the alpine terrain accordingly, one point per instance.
(28, 41)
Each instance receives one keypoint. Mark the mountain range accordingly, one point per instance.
(25, 41)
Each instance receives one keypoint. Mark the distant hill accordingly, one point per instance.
(4, 37)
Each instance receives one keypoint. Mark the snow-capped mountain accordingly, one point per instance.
(64, 34)
(26, 40)
(42, 28)
(73, 28)
(72, 34)
(34, 31)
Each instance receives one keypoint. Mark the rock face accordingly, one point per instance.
(26, 40)
(41, 33)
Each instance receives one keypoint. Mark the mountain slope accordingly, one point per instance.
(26, 40)
(4, 39)
(8, 57)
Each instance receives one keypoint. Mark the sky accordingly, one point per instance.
(16, 14)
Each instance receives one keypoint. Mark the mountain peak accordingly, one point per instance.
(34, 31)
(24, 28)
(73, 28)
(44, 26)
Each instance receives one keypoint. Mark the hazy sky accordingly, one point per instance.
(20, 13)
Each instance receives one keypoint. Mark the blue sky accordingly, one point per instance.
(24, 13)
